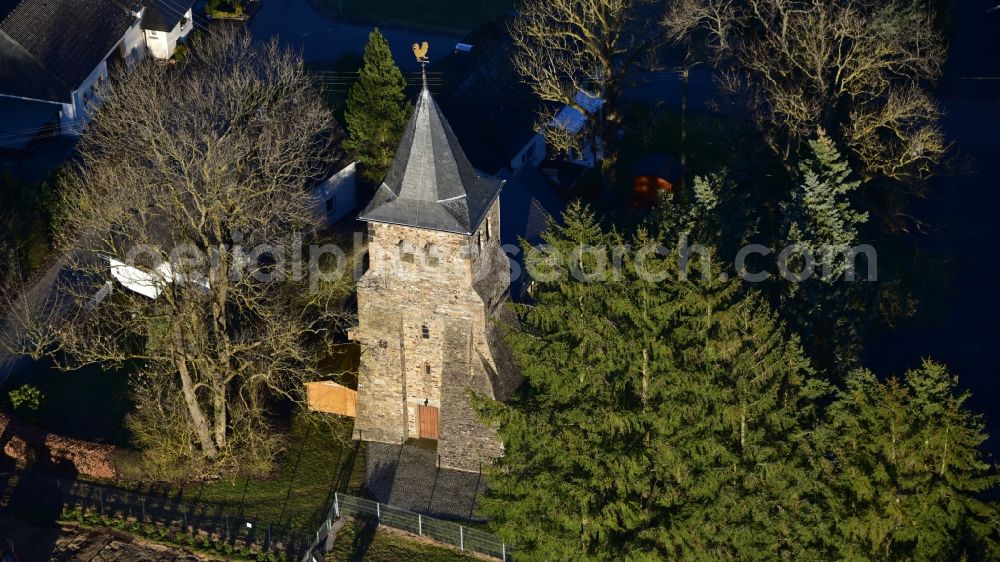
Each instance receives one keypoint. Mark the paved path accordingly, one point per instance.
(406, 477)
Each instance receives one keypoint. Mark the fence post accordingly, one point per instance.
(503, 547)
(378, 511)
(420, 525)
(336, 504)
(461, 537)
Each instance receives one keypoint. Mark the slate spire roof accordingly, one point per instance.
(431, 183)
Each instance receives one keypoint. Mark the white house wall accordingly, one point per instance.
(342, 188)
(161, 44)
(75, 117)
(533, 153)
(133, 45)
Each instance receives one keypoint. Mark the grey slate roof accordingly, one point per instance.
(492, 110)
(431, 183)
(164, 15)
(48, 47)
(527, 205)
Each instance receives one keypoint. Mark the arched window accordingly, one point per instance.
(489, 229)
(405, 251)
(427, 368)
(425, 332)
(479, 241)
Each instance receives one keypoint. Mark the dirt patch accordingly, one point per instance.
(29, 444)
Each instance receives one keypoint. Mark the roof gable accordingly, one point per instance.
(23, 76)
(69, 38)
(431, 183)
(164, 15)
(572, 119)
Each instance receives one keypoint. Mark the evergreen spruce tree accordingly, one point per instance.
(749, 478)
(377, 110)
(911, 470)
(828, 311)
(819, 215)
(659, 419)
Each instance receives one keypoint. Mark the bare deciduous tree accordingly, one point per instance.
(568, 46)
(855, 68)
(205, 165)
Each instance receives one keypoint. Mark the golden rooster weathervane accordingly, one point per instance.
(420, 51)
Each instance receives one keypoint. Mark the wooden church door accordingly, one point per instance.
(427, 417)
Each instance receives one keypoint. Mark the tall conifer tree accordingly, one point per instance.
(911, 470)
(828, 310)
(377, 110)
(658, 419)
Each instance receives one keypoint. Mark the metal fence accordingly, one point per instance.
(446, 532)
(51, 497)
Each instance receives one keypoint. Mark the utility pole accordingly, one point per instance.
(684, 132)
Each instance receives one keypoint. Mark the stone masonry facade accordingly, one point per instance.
(427, 312)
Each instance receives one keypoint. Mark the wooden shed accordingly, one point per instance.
(332, 398)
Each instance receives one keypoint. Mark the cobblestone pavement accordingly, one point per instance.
(406, 477)
(67, 543)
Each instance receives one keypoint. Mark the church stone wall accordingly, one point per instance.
(443, 281)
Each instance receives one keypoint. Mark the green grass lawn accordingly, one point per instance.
(448, 16)
(365, 543)
(321, 459)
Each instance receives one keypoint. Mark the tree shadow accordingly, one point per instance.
(363, 541)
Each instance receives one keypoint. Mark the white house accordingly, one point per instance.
(165, 23)
(57, 54)
(531, 154)
(338, 196)
(573, 121)
(60, 52)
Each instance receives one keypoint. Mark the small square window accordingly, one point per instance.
(406, 257)
(433, 261)
(427, 368)
(426, 331)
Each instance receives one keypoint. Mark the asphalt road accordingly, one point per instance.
(320, 38)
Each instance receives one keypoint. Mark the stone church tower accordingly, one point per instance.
(427, 305)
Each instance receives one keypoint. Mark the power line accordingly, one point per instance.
(176, 9)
